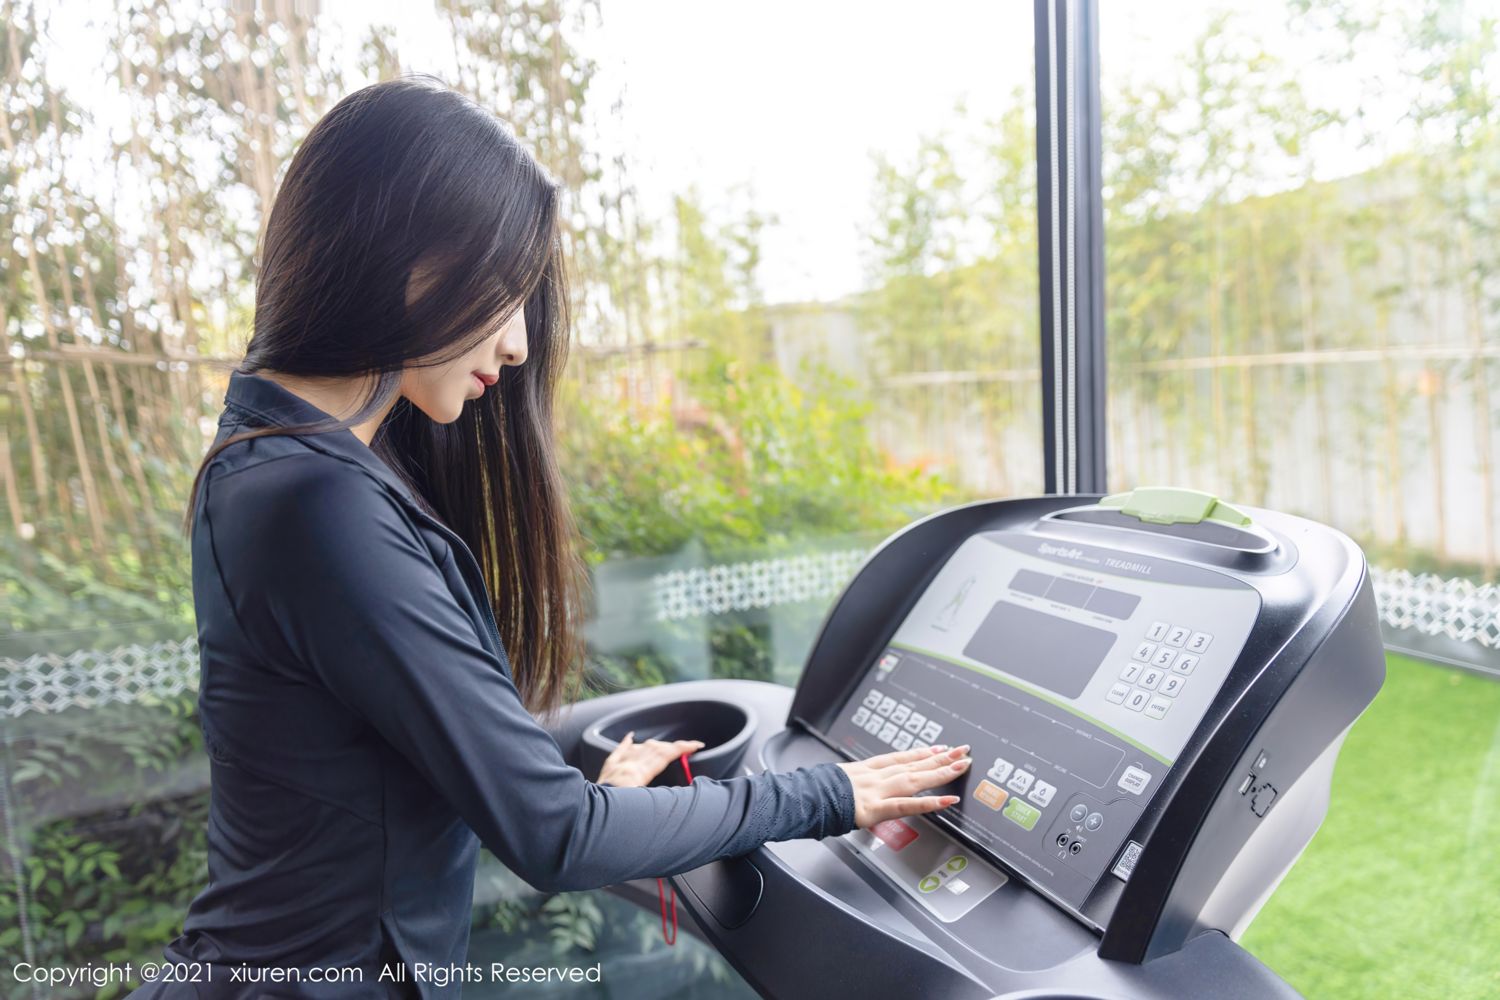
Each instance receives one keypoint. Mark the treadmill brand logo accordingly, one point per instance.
(1053, 550)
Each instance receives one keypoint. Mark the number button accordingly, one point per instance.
(930, 731)
(886, 706)
(872, 699)
(861, 716)
(1151, 678)
(1130, 673)
(1177, 636)
(914, 722)
(1164, 657)
(1137, 700)
(1199, 642)
(900, 714)
(1171, 684)
(1143, 651)
(1185, 664)
(1158, 631)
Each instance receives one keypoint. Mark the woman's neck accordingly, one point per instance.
(337, 396)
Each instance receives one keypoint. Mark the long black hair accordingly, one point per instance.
(410, 176)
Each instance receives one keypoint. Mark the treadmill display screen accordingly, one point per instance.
(1076, 673)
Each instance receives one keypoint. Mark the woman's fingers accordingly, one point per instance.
(913, 755)
(917, 804)
(920, 776)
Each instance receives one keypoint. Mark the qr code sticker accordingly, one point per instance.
(1126, 864)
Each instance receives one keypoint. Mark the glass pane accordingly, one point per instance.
(1304, 314)
(805, 314)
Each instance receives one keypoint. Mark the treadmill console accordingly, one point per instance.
(1077, 673)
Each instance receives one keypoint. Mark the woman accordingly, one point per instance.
(386, 585)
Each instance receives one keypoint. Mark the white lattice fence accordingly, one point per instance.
(1431, 605)
(1454, 609)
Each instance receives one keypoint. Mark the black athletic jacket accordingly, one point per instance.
(365, 735)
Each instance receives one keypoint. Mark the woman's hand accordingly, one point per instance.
(886, 786)
(633, 765)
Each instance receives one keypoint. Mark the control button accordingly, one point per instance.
(1261, 761)
(956, 864)
(888, 732)
(956, 885)
(1171, 684)
(1137, 700)
(913, 723)
(861, 716)
(874, 725)
(1078, 813)
(1116, 694)
(1020, 781)
(1144, 651)
(894, 833)
(1199, 642)
(1130, 673)
(1150, 678)
(930, 731)
(886, 706)
(991, 794)
(929, 883)
(1094, 822)
(889, 661)
(1041, 794)
(1000, 770)
(873, 698)
(1158, 631)
(1021, 814)
(1157, 707)
(1164, 657)
(900, 714)
(1185, 664)
(1134, 780)
(1177, 636)
(901, 741)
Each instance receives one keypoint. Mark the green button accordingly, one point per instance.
(929, 883)
(957, 863)
(1021, 814)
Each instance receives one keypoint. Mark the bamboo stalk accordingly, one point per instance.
(39, 295)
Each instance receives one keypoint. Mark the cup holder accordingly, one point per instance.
(723, 727)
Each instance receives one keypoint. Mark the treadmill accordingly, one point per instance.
(1155, 685)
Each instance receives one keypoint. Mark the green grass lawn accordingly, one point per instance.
(1398, 895)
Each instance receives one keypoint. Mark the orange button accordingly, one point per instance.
(991, 794)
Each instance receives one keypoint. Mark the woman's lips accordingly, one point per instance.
(477, 381)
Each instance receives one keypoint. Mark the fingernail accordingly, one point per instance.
(950, 800)
(938, 748)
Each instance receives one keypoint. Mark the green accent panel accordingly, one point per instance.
(1170, 505)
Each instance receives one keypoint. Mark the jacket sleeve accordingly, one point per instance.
(318, 552)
